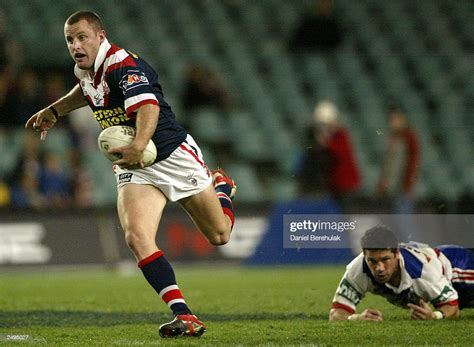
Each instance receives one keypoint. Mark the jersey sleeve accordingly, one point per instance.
(352, 287)
(136, 88)
(434, 286)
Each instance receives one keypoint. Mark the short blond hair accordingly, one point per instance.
(91, 17)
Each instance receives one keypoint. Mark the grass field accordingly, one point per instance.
(241, 306)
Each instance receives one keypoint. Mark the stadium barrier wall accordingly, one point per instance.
(81, 237)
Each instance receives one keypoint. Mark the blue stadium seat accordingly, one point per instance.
(422, 61)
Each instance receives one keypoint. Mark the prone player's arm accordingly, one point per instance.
(423, 311)
(338, 314)
(369, 314)
(436, 289)
(146, 122)
(45, 119)
(350, 291)
(449, 311)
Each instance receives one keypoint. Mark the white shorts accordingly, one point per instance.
(180, 175)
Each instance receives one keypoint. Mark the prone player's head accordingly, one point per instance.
(84, 33)
(381, 252)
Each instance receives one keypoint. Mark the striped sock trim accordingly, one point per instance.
(168, 289)
(150, 258)
(222, 183)
(176, 301)
(224, 196)
(223, 187)
(172, 295)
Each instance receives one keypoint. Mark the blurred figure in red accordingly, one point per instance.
(400, 167)
(331, 152)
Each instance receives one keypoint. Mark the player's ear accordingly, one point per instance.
(102, 35)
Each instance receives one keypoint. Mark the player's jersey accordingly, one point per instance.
(462, 262)
(123, 82)
(426, 274)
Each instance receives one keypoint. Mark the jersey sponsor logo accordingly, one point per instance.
(133, 79)
(447, 294)
(347, 291)
(108, 118)
(125, 177)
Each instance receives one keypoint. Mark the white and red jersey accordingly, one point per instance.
(426, 273)
(123, 82)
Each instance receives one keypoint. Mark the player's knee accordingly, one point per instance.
(136, 239)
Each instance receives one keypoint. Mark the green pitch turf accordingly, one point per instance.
(241, 306)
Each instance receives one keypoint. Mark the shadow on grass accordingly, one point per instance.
(51, 318)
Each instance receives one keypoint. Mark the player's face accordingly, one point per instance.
(382, 263)
(83, 42)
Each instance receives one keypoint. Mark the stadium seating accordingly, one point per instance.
(423, 61)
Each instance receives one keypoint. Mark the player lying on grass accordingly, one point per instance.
(408, 275)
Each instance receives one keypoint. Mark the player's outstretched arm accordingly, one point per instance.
(423, 311)
(338, 314)
(45, 119)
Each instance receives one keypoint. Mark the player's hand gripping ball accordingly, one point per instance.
(122, 135)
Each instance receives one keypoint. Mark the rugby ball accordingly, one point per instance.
(122, 135)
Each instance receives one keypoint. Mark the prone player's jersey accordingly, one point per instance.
(123, 82)
(425, 274)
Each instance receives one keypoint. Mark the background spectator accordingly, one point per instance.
(53, 182)
(25, 192)
(28, 86)
(319, 32)
(400, 165)
(10, 51)
(204, 88)
(329, 160)
(313, 166)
